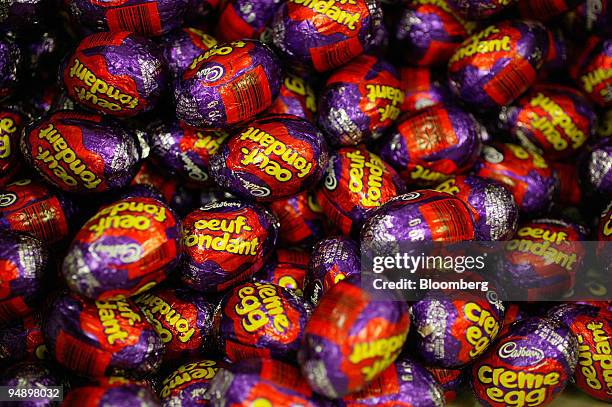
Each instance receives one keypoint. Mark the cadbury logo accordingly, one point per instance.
(7, 199)
(126, 253)
(511, 350)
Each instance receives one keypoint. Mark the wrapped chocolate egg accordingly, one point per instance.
(525, 173)
(23, 340)
(593, 330)
(23, 262)
(119, 73)
(430, 31)
(241, 19)
(325, 36)
(26, 376)
(420, 215)
(10, 55)
(405, 382)
(188, 384)
(126, 248)
(229, 84)
(80, 152)
(182, 319)
(336, 356)
(287, 269)
(182, 47)
(542, 259)
(570, 192)
(553, 120)
(184, 150)
(480, 9)
(557, 55)
(274, 157)
(301, 219)
(451, 381)
(432, 144)
(496, 213)
(595, 168)
(296, 97)
(360, 101)
(423, 87)
(332, 260)
(494, 66)
(101, 338)
(29, 206)
(590, 17)
(11, 123)
(149, 18)
(260, 382)
(225, 243)
(531, 365)
(112, 391)
(592, 70)
(260, 320)
(357, 182)
(454, 328)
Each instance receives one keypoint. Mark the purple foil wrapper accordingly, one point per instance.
(112, 392)
(497, 212)
(32, 375)
(228, 85)
(22, 339)
(480, 9)
(596, 168)
(182, 47)
(101, 338)
(296, 97)
(405, 383)
(245, 18)
(332, 260)
(10, 60)
(144, 17)
(188, 384)
(23, 261)
(423, 87)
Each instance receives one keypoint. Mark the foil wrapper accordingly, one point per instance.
(526, 174)
(553, 120)
(535, 350)
(595, 168)
(114, 339)
(480, 9)
(422, 215)
(241, 19)
(188, 384)
(10, 57)
(182, 47)
(496, 65)
(360, 101)
(287, 268)
(332, 260)
(112, 392)
(496, 212)
(228, 85)
(32, 375)
(275, 157)
(301, 219)
(356, 183)
(182, 318)
(432, 144)
(11, 124)
(148, 18)
(423, 87)
(23, 340)
(118, 73)
(545, 9)
(324, 36)
(260, 320)
(590, 71)
(225, 243)
(126, 248)
(451, 381)
(296, 97)
(23, 263)
(29, 206)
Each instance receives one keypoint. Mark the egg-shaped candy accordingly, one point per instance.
(229, 84)
(22, 339)
(420, 215)
(532, 364)
(356, 182)
(301, 219)
(112, 391)
(595, 168)
(273, 158)
(241, 19)
(432, 144)
(325, 35)
(451, 381)
(225, 243)
(32, 375)
(296, 97)
(592, 70)
(188, 384)
(118, 73)
(184, 150)
(29, 206)
(23, 261)
(496, 212)
(11, 123)
(494, 66)
(286, 268)
(336, 356)
(149, 18)
(182, 47)
(423, 87)
(80, 152)
(101, 338)
(260, 320)
(553, 120)
(525, 173)
(480, 9)
(126, 248)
